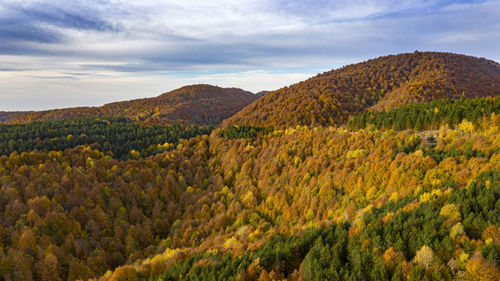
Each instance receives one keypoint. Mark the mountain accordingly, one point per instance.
(196, 104)
(7, 115)
(262, 93)
(378, 84)
(411, 192)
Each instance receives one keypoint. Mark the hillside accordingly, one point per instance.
(406, 192)
(301, 204)
(382, 83)
(196, 104)
(117, 136)
(7, 115)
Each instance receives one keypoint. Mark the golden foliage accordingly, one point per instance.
(424, 256)
(480, 269)
(450, 211)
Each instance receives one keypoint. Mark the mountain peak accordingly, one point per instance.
(194, 104)
(382, 83)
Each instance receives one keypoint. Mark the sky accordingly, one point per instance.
(59, 53)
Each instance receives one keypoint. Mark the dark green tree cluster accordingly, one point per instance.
(238, 132)
(380, 249)
(427, 115)
(280, 256)
(115, 135)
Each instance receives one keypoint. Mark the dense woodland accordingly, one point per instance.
(7, 115)
(391, 193)
(196, 104)
(236, 132)
(383, 83)
(116, 136)
(278, 205)
(427, 115)
(387, 205)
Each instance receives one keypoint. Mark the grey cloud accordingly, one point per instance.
(11, 31)
(109, 40)
(21, 25)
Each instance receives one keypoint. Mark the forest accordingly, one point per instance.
(117, 136)
(235, 132)
(384, 170)
(384, 83)
(426, 115)
(297, 204)
(202, 105)
(343, 206)
(7, 115)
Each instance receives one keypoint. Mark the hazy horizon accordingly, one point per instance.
(55, 54)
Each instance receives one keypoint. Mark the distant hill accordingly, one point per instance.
(382, 83)
(196, 104)
(262, 93)
(7, 115)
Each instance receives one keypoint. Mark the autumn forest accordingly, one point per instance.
(383, 170)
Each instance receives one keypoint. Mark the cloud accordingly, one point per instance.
(54, 47)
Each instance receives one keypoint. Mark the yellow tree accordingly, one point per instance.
(424, 256)
(480, 269)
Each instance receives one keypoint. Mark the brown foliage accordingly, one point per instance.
(7, 115)
(196, 104)
(382, 83)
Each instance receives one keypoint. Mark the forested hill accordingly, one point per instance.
(7, 115)
(408, 192)
(196, 104)
(382, 83)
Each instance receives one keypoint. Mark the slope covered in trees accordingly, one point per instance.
(427, 115)
(196, 104)
(406, 193)
(378, 84)
(327, 204)
(7, 115)
(262, 93)
(296, 203)
(235, 132)
(117, 136)
(78, 213)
